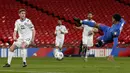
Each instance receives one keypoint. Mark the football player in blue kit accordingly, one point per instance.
(111, 34)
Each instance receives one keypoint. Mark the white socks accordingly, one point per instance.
(56, 50)
(24, 54)
(87, 53)
(10, 55)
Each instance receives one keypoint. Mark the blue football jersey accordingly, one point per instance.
(113, 31)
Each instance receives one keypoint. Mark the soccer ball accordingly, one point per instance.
(59, 56)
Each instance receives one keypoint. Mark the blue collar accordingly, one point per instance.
(22, 20)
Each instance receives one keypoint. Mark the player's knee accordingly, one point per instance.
(24, 45)
(12, 48)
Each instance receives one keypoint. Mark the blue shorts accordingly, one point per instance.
(101, 40)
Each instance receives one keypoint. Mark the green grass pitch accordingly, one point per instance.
(68, 65)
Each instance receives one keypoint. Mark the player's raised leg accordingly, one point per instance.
(91, 24)
(101, 27)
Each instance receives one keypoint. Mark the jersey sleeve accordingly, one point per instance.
(65, 30)
(31, 26)
(16, 26)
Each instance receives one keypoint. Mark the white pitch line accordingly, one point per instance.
(28, 71)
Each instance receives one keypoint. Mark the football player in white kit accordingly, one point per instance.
(87, 35)
(60, 32)
(26, 32)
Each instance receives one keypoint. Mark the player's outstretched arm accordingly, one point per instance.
(78, 27)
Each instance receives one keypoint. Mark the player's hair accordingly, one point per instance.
(117, 17)
(90, 13)
(21, 10)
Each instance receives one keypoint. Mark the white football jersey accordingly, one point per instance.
(87, 28)
(24, 28)
(60, 29)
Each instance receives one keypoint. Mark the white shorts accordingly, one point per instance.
(88, 40)
(59, 42)
(19, 42)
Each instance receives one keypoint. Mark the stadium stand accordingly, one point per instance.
(45, 13)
